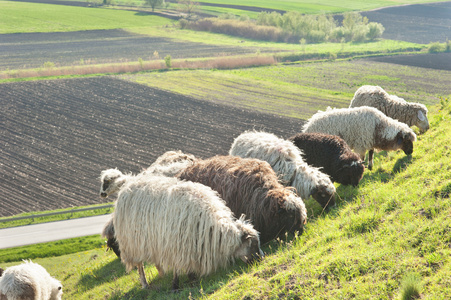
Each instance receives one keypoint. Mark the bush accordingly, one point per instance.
(436, 48)
(167, 61)
(375, 31)
(316, 36)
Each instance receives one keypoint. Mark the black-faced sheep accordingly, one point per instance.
(108, 233)
(332, 155)
(251, 187)
(411, 113)
(286, 160)
(363, 128)
(29, 281)
(179, 226)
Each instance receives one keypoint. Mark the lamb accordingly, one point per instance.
(180, 226)
(392, 106)
(29, 281)
(363, 128)
(108, 233)
(251, 187)
(286, 160)
(332, 154)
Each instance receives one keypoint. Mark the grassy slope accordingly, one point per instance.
(299, 90)
(22, 17)
(396, 224)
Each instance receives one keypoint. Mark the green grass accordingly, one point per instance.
(63, 214)
(22, 17)
(386, 239)
(299, 90)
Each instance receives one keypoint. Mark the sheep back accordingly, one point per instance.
(286, 160)
(170, 163)
(29, 281)
(332, 154)
(251, 187)
(176, 225)
(363, 128)
(397, 108)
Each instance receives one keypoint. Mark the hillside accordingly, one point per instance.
(390, 233)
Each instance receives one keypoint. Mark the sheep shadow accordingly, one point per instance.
(402, 163)
(106, 273)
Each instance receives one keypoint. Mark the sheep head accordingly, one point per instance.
(404, 141)
(324, 196)
(291, 214)
(422, 122)
(111, 181)
(249, 249)
(351, 172)
(57, 290)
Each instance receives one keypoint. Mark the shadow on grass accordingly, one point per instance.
(402, 163)
(107, 273)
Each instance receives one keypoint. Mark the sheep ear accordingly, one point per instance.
(421, 115)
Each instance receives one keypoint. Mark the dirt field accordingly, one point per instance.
(31, 50)
(56, 136)
(419, 23)
(438, 61)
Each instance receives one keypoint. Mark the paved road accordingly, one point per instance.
(53, 231)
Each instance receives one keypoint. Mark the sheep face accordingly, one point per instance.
(351, 173)
(110, 182)
(249, 250)
(57, 290)
(405, 142)
(324, 197)
(422, 122)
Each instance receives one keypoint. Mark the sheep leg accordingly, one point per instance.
(175, 283)
(142, 276)
(370, 159)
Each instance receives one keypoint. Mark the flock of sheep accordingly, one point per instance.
(192, 216)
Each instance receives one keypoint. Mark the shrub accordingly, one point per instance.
(375, 31)
(435, 48)
(167, 61)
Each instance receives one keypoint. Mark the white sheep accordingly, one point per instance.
(363, 128)
(168, 164)
(29, 281)
(286, 160)
(397, 108)
(179, 226)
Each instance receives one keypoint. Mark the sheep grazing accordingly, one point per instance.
(108, 233)
(363, 128)
(332, 155)
(180, 226)
(251, 187)
(286, 160)
(392, 106)
(29, 281)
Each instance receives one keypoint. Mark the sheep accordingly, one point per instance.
(286, 160)
(332, 154)
(108, 233)
(29, 281)
(363, 128)
(170, 163)
(251, 187)
(392, 106)
(180, 226)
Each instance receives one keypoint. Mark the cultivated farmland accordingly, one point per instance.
(57, 136)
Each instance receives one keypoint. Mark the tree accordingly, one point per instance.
(154, 3)
(188, 7)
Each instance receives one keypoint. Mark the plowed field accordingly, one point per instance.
(32, 50)
(56, 136)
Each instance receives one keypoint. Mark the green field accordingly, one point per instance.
(18, 17)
